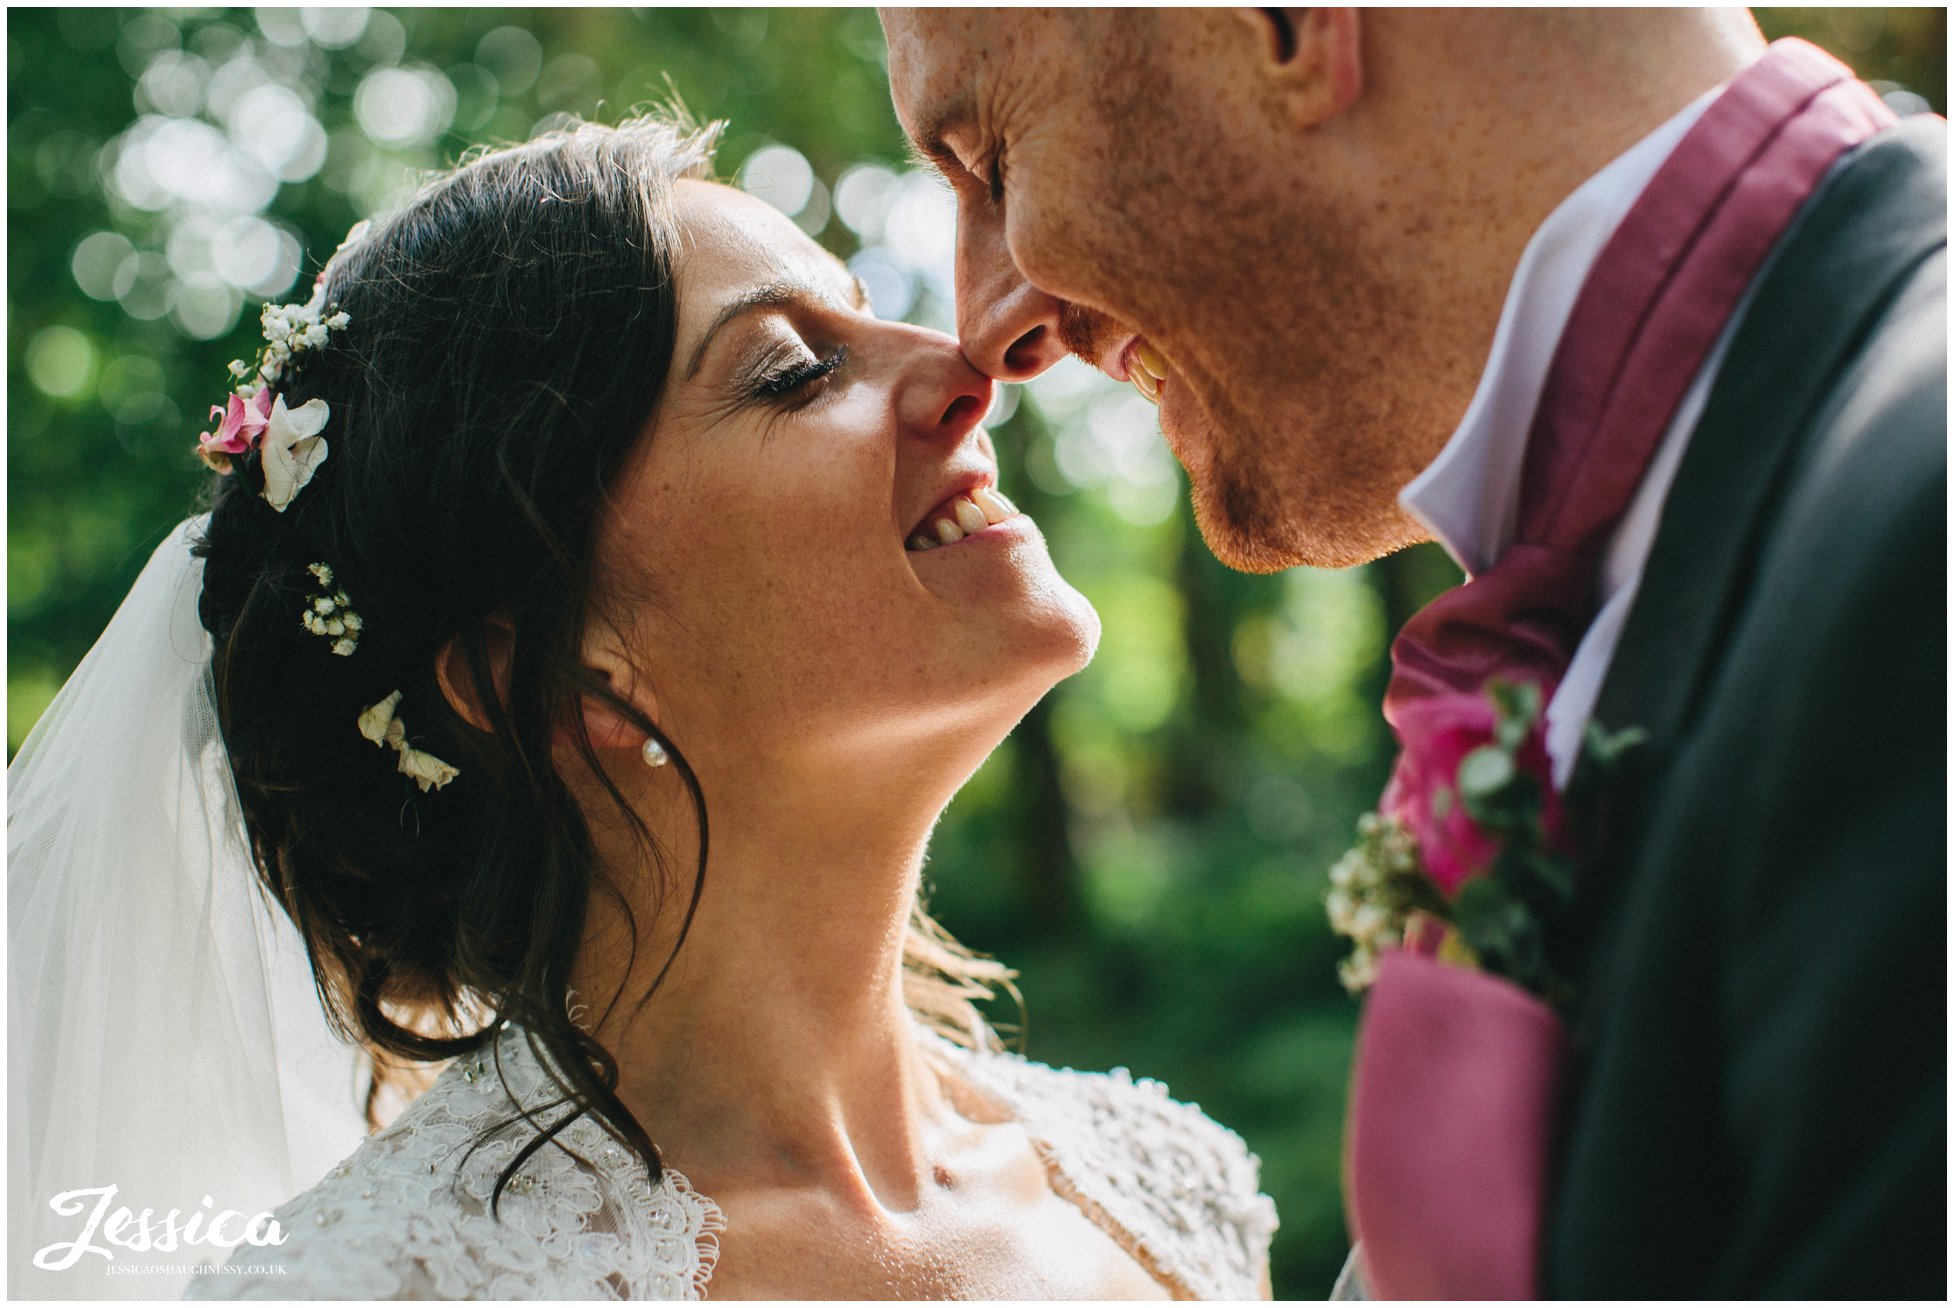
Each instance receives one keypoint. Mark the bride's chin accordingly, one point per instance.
(1060, 630)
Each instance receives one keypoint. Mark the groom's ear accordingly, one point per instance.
(1313, 58)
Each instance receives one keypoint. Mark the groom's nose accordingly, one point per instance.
(1009, 328)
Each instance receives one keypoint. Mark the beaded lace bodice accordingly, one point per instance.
(407, 1215)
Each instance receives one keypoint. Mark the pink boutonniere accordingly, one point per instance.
(1470, 854)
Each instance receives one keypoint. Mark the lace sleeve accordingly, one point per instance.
(407, 1216)
(1179, 1189)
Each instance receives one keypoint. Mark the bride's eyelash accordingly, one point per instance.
(782, 381)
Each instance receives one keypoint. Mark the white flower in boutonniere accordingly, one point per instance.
(1472, 854)
(292, 449)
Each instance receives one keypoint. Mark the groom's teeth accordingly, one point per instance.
(995, 507)
(1146, 369)
(971, 518)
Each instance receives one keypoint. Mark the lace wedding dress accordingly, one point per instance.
(406, 1216)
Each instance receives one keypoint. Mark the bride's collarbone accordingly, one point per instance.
(994, 1230)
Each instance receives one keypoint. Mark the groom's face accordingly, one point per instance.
(1128, 193)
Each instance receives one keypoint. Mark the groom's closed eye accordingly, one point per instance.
(930, 149)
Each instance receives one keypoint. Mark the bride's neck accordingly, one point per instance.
(778, 1048)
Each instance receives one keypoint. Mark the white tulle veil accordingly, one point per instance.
(164, 1036)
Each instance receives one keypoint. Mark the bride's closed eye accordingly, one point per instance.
(794, 376)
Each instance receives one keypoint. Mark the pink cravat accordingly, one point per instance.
(1458, 1073)
(1657, 299)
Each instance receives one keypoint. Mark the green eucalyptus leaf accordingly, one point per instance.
(1485, 772)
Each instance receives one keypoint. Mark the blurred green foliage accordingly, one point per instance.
(1149, 847)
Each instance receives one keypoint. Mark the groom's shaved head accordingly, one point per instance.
(1311, 214)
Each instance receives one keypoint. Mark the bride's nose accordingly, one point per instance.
(942, 397)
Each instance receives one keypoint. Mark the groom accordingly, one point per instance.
(1646, 323)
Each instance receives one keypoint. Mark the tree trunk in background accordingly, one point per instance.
(1205, 733)
(1045, 867)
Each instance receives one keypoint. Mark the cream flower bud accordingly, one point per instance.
(428, 771)
(376, 721)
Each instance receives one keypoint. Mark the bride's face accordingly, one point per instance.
(763, 538)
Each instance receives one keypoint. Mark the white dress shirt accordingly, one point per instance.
(1469, 496)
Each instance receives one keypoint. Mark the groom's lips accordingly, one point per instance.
(1117, 363)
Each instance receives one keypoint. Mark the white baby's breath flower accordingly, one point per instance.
(1359, 971)
(1368, 922)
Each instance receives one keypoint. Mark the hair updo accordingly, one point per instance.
(510, 334)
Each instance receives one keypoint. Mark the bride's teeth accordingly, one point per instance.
(971, 518)
(963, 515)
(996, 508)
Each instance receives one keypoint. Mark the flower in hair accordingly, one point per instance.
(240, 423)
(382, 725)
(255, 417)
(292, 449)
(379, 725)
(330, 614)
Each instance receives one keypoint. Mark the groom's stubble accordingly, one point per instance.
(1314, 387)
(1323, 277)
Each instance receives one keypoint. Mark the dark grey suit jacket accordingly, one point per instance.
(1759, 1103)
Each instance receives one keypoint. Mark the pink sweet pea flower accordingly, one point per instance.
(1438, 733)
(241, 422)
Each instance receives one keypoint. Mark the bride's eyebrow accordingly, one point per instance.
(771, 295)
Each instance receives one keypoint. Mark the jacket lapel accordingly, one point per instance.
(1876, 219)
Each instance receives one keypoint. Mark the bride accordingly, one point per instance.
(601, 608)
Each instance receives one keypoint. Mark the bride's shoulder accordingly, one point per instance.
(351, 1236)
(1182, 1184)
(413, 1213)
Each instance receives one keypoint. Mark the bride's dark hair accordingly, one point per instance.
(510, 335)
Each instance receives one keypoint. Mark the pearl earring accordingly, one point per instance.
(654, 753)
